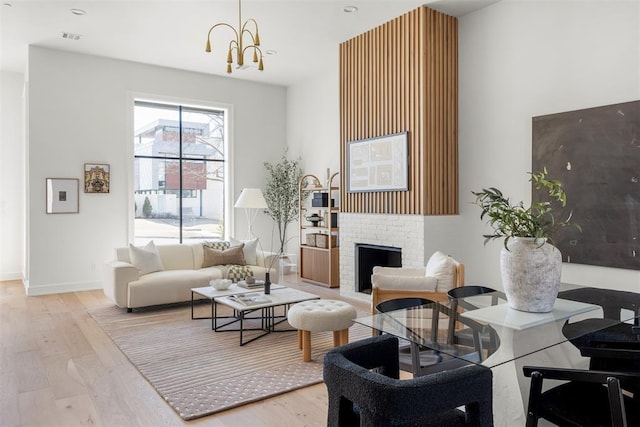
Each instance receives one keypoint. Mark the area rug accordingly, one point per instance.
(200, 372)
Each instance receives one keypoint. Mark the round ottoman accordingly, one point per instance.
(321, 315)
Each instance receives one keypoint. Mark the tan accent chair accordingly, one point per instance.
(441, 274)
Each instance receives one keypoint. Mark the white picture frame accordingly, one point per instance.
(378, 164)
(62, 195)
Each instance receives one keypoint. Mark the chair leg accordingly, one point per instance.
(299, 339)
(616, 403)
(534, 399)
(306, 346)
(336, 339)
(344, 336)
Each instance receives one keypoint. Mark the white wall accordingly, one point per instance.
(520, 59)
(313, 127)
(11, 176)
(80, 111)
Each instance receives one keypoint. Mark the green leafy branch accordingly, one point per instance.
(537, 221)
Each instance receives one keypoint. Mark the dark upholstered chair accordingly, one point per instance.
(364, 388)
(588, 399)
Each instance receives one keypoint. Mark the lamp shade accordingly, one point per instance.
(251, 198)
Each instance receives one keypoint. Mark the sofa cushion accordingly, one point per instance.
(233, 255)
(250, 250)
(443, 268)
(164, 287)
(177, 256)
(146, 259)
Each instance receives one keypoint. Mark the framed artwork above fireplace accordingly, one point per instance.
(378, 164)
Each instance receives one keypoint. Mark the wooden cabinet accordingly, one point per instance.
(318, 218)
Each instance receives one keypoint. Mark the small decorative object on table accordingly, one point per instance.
(249, 280)
(220, 284)
(267, 283)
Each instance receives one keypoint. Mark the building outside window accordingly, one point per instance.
(179, 164)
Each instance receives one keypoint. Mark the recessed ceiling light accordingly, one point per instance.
(350, 9)
(78, 12)
(7, 4)
(271, 52)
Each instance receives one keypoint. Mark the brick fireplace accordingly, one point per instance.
(401, 231)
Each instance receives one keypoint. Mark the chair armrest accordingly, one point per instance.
(116, 278)
(399, 271)
(408, 283)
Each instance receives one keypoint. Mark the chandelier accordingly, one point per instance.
(236, 45)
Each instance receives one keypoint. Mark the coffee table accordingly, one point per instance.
(211, 294)
(253, 301)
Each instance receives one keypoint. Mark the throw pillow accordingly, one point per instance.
(442, 267)
(219, 245)
(233, 255)
(250, 250)
(238, 272)
(146, 260)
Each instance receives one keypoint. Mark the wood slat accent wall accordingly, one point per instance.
(403, 76)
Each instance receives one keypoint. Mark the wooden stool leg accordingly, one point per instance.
(300, 339)
(336, 338)
(344, 336)
(306, 346)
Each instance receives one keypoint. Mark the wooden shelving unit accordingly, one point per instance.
(319, 261)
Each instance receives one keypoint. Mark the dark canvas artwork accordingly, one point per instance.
(595, 153)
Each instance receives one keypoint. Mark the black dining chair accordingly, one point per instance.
(587, 398)
(457, 333)
(364, 389)
(610, 344)
(422, 360)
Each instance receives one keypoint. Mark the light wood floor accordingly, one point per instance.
(58, 368)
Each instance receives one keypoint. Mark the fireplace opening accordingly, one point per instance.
(367, 257)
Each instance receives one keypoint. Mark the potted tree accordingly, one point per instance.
(281, 195)
(529, 263)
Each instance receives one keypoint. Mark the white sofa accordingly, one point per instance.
(181, 271)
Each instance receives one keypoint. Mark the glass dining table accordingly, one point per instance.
(501, 338)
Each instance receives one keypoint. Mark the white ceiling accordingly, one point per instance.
(173, 33)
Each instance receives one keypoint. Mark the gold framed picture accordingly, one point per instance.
(96, 178)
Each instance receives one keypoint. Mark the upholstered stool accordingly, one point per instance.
(321, 315)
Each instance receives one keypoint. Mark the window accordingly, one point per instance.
(179, 183)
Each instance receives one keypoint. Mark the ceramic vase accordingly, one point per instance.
(531, 270)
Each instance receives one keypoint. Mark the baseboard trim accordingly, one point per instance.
(61, 288)
(5, 277)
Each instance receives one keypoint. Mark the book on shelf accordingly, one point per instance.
(250, 299)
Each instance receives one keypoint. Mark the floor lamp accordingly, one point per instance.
(251, 200)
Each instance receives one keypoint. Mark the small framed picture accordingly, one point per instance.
(62, 195)
(96, 178)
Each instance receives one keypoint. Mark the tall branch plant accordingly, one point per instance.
(281, 195)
